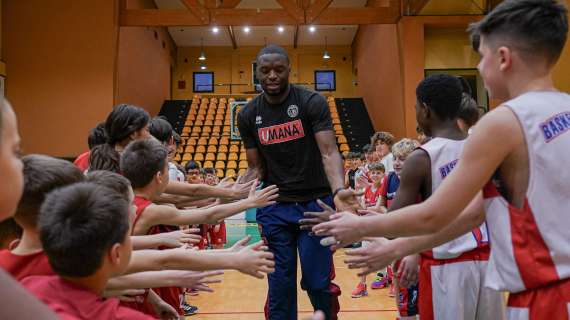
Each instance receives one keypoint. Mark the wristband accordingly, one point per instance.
(337, 191)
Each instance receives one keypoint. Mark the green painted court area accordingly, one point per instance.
(236, 230)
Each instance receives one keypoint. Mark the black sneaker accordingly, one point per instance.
(188, 309)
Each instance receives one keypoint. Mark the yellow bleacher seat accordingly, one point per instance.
(224, 141)
(233, 156)
(242, 156)
(219, 117)
(230, 173)
(234, 142)
(196, 129)
(198, 156)
(335, 121)
(216, 129)
(222, 156)
(232, 165)
(220, 165)
(243, 164)
(344, 147)
(186, 130)
(198, 123)
(191, 142)
(208, 123)
(188, 123)
(191, 117)
(202, 112)
(212, 148)
(227, 129)
(242, 149)
(213, 141)
(241, 172)
(234, 148)
(210, 156)
(206, 129)
(208, 164)
(210, 117)
(189, 149)
(221, 110)
(195, 134)
(183, 163)
(200, 117)
(220, 173)
(218, 122)
(211, 111)
(202, 141)
(223, 148)
(184, 135)
(187, 157)
(177, 157)
(342, 139)
(200, 149)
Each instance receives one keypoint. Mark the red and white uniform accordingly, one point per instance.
(531, 245)
(452, 275)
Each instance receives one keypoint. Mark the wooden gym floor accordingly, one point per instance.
(243, 297)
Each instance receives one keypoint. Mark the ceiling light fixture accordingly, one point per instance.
(246, 29)
(312, 29)
(202, 67)
(280, 29)
(326, 55)
(202, 56)
(215, 29)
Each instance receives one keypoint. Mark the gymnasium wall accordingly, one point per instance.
(377, 61)
(234, 66)
(69, 67)
(60, 65)
(145, 57)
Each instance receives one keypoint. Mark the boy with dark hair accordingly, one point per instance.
(144, 163)
(193, 172)
(41, 175)
(84, 229)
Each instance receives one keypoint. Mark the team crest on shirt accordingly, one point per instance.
(281, 133)
(292, 111)
(258, 120)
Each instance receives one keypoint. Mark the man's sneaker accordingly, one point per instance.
(380, 282)
(360, 291)
(188, 309)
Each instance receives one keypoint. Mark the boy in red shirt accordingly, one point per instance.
(84, 229)
(371, 199)
(41, 175)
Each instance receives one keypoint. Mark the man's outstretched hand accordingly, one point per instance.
(347, 200)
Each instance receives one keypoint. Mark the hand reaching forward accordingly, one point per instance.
(342, 230)
(179, 238)
(378, 254)
(263, 197)
(240, 244)
(347, 200)
(254, 260)
(316, 217)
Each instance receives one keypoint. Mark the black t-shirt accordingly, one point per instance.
(284, 134)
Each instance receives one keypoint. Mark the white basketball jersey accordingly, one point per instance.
(531, 246)
(444, 154)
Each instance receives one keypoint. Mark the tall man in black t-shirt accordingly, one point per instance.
(289, 140)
